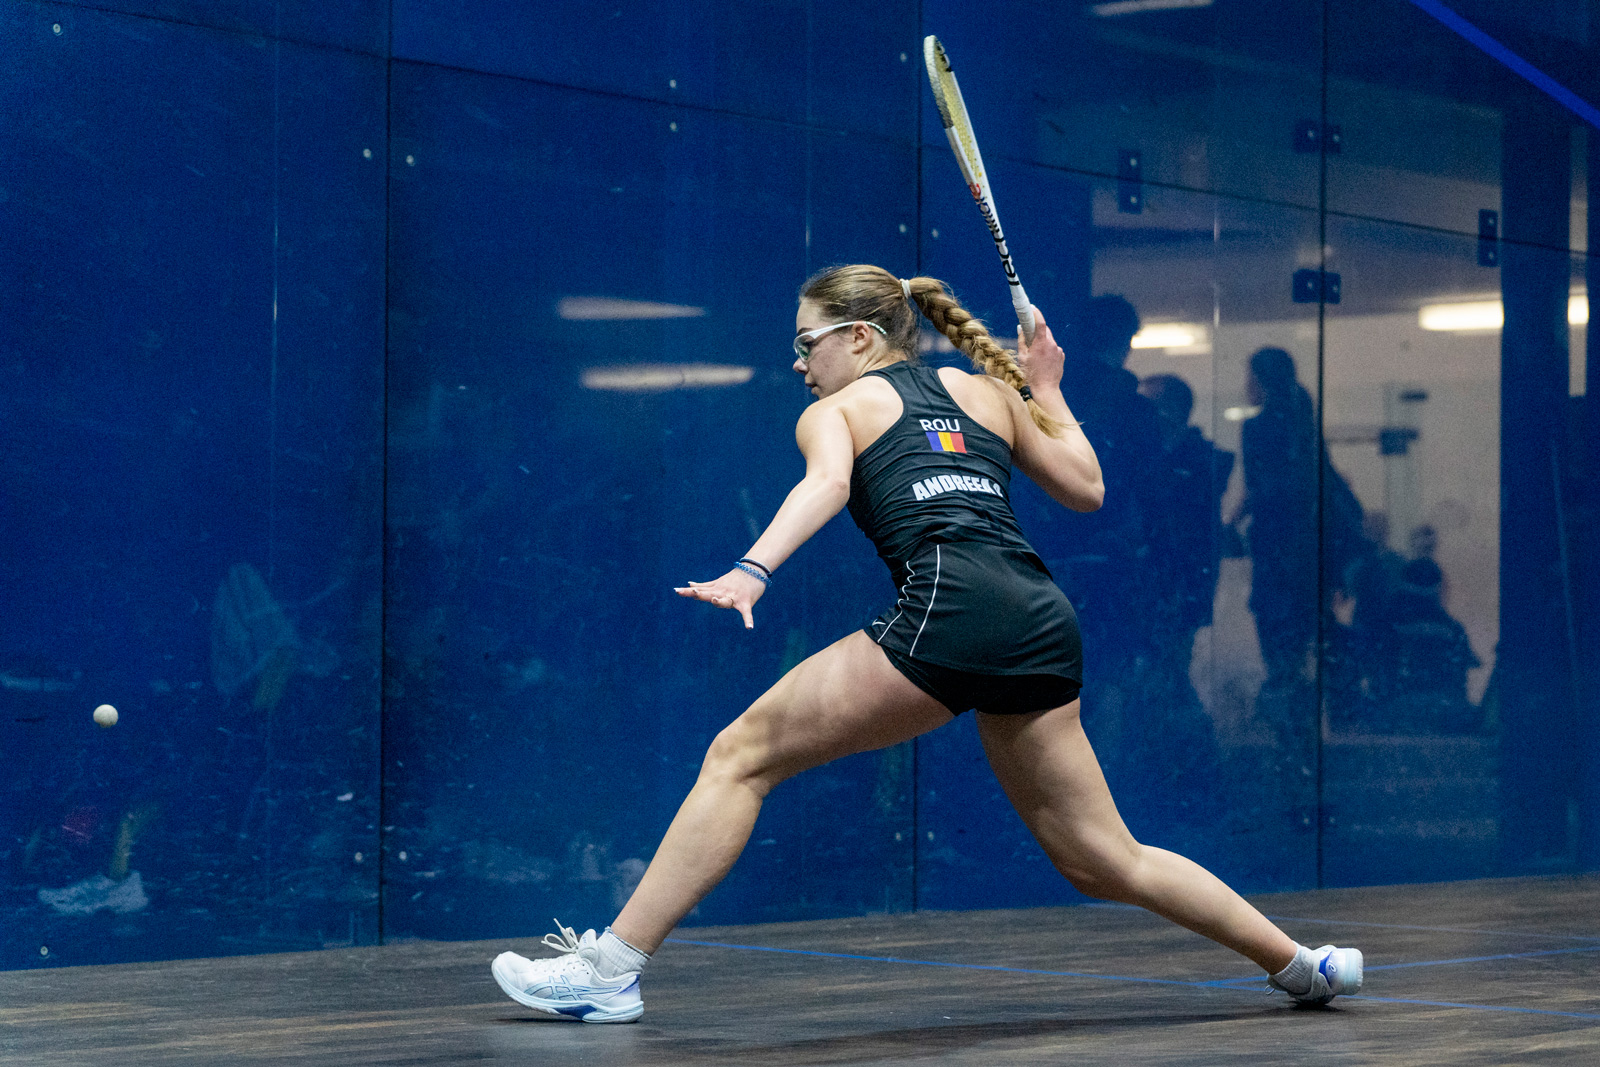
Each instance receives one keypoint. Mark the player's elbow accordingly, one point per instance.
(1088, 497)
(833, 488)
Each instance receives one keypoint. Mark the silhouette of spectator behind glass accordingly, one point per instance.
(1106, 570)
(1371, 578)
(1281, 450)
(1279, 447)
(1115, 564)
(1424, 544)
(1190, 522)
(1422, 685)
(1353, 652)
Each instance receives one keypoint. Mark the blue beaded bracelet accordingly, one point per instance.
(752, 572)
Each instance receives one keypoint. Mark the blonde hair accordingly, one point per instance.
(871, 294)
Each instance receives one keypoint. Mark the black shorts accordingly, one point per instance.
(993, 694)
(983, 626)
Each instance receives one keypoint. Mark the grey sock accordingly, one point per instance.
(619, 957)
(1296, 978)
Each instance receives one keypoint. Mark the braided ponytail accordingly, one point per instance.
(973, 339)
(872, 294)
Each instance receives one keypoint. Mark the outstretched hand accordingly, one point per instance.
(1041, 361)
(736, 590)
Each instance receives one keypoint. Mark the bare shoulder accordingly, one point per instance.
(865, 409)
(987, 400)
(870, 405)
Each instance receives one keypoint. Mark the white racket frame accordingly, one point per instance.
(958, 128)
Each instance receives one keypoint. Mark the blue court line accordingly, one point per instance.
(1440, 963)
(1433, 929)
(1512, 62)
(1484, 959)
(1593, 938)
(1226, 983)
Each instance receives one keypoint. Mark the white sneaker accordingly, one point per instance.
(569, 984)
(1338, 971)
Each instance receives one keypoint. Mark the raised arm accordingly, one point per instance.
(1065, 466)
(825, 441)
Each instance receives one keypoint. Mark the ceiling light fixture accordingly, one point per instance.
(610, 309)
(1467, 315)
(1168, 335)
(662, 377)
(1134, 7)
(1488, 314)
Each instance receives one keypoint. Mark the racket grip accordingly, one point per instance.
(1024, 311)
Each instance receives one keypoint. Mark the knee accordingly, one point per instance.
(738, 755)
(1107, 874)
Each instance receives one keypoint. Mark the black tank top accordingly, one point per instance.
(935, 476)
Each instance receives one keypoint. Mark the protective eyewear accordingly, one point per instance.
(804, 341)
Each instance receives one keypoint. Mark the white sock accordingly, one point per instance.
(1296, 978)
(619, 957)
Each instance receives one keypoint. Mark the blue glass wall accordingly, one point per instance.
(373, 371)
(192, 338)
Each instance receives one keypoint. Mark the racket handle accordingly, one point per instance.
(1024, 311)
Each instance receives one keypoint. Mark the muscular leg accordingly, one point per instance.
(1047, 768)
(847, 698)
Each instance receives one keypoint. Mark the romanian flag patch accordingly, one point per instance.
(942, 441)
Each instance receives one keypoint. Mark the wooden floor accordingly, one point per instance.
(1493, 972)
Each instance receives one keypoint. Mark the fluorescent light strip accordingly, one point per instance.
(662, 377)
(1134, 7)
(1169, 335)
(1488, 314)
(609, 309)
(1469, 315)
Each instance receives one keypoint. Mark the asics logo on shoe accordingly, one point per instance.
(563, 989)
